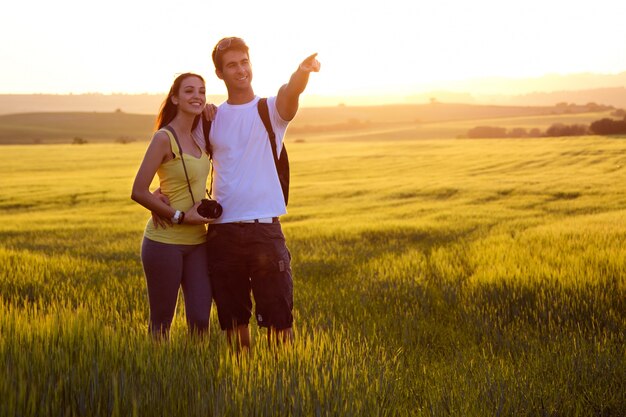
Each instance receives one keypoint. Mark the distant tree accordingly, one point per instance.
(518, 132)
(486, 132)
(555, 129)
(619, 113)
(591, 106)
(579, 130)
(124, 139)
(594, 107)
(79, 141)
(608, 127)
(534, 133)
(560, 129)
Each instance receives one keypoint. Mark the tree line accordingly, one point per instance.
(605, 126)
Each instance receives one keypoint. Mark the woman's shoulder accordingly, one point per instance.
(161, 138)
(161, 141)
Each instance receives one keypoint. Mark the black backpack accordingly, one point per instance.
(281, 163)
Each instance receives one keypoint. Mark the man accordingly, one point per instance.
(246, 245)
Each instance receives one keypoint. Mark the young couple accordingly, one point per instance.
(243, 251)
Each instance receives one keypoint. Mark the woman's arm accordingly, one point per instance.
(158, 152)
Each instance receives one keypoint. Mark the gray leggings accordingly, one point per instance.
(167, 268)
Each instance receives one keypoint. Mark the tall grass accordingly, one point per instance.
(432, 278)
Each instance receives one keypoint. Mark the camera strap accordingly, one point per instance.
(180, 152)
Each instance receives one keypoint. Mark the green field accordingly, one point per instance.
(432, 278)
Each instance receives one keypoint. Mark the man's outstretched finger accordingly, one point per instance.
(311, 64)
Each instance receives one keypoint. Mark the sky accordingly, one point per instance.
(365, 47)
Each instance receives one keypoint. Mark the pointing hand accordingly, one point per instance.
(310, 64)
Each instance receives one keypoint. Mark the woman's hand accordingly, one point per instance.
(193, 217)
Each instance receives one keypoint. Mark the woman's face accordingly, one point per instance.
(191, 96)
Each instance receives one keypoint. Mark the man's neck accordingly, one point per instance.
(240, 97)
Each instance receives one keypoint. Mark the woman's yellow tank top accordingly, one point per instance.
(174, 185)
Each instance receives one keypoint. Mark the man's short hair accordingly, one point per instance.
(231, 43)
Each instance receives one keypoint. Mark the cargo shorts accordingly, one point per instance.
(250, 259)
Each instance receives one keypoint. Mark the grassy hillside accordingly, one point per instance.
(432, 278)
(358, 131)
(63, 127)
(397, 121)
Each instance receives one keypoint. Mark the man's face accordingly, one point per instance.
(236, 70)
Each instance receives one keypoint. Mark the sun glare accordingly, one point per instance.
(365, 49)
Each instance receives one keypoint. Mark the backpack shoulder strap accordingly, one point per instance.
(265, 117)
(282, 166)
(206, 129)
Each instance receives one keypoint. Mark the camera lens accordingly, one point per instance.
(210, 209)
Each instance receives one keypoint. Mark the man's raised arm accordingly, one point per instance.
(288, 97)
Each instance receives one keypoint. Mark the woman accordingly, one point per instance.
(175, 254)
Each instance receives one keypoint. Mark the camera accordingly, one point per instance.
(210, 209)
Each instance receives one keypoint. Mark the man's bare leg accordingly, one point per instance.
(279, 337)
(239, 337)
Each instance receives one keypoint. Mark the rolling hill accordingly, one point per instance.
(434, 120)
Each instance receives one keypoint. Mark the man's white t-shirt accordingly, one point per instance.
(245, 181)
